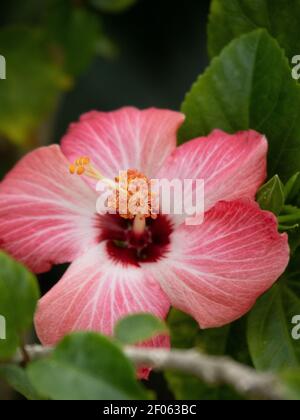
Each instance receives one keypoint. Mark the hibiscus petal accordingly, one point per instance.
(94, 294)
(217, 270)
(232, 166)
(47, 216)
(124, 139)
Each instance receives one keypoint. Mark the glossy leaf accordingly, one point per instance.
(271, 196)
(249, 86)
(231, 18)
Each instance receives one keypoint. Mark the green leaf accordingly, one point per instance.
(270, 340)
(18, 298)
(187, 387)
(271, 195)
(74, 34)
(289, 209)
(293, 271)
(138, 328)
(32, 84)
(112, 6)
(184, 329)
(284, 228)
(17, 378)
(86, 366)
(249, 86)
(291, 381)
(290, 218)
(292, 188)
(294, 239)
(231, 18)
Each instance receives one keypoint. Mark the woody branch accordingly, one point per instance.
(211, 370)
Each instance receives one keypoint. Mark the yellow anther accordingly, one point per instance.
(80, 166)
(84, 166)
(80, 170)
(72, 169)
(85, 160)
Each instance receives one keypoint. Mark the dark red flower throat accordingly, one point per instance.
(124, 246)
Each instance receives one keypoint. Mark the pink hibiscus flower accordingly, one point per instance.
(214, 271)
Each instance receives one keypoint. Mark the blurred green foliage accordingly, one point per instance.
(33, 83)
(113, 6)
(46, 49)
(19, 294)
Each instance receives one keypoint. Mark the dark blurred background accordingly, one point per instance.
(153, 52)
(162, 49)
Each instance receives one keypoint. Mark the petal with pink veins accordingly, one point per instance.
(47, 216)
(124, 139)
(232, 166)
(217, 270)
(94, 294)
